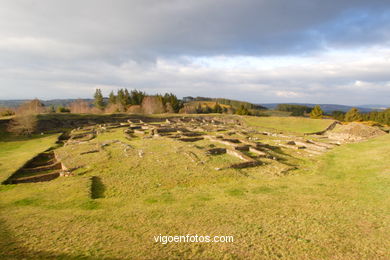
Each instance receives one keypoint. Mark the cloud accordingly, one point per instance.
(261, 51)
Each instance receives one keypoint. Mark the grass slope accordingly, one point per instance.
(289, 124)
(336, 207)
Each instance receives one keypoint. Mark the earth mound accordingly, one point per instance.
(354, 132)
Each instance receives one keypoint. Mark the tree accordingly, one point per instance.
(98, 99)
(217, 108)
(153, 105)
(169, 108)
(207, 110)
(296, 110)
(242, 111)
(189, 109)
(112, 98)
(127, 97)
(173, 100)
(199, 109)
(24, 124)
(382, 117)
(52, 109)
(353, 115)
(121, 100)
(113, 108)
(25, 121)
(34, 106)
(136, 97)
(338, 115)
(135, 109)
(79, 107)
(316, 112)
(62, 109)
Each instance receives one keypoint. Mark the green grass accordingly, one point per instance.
(288, 124)
(336, 206)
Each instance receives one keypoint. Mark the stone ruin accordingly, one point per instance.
(216, 130)
(43, 167)
(227, 136)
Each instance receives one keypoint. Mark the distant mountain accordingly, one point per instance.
(328, 108)
(54, 102)
(375, 106)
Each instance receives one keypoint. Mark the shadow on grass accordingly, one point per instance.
(97, 188)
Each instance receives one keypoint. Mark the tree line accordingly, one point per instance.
(229, 102)
(382, 117)
(123, 101)
(354, 115)
(296, 110)
(25, 120)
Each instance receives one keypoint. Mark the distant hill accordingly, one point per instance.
(375, 106)
(55, 102)
(328, 108)
(224, 101)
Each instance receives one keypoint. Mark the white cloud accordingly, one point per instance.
(288, 94)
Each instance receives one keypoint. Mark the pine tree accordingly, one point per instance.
(242, 111)
(98, 99)
(173, 100)
(316, 112)
(207, 109)
(121, 99)
(127, 97)
(112, 98)
(52, 109)
(353, 115)
(217, 108)
(199, 109)
(136, 97)
(338, 115)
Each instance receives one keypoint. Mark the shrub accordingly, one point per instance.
(353, 115)
(316, 112)
(62, 109)
(242, 111)
(6, 112)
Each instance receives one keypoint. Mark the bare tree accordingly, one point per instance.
(79, 107)
(112, 108)
(34, 106)
(23, 124)
(153, 105)
(135, 109)
(188, 109)
(169, 108)
(25, 121)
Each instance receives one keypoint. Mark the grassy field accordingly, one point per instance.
(337, 206)
(289, 124)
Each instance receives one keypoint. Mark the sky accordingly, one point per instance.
(261, 51)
